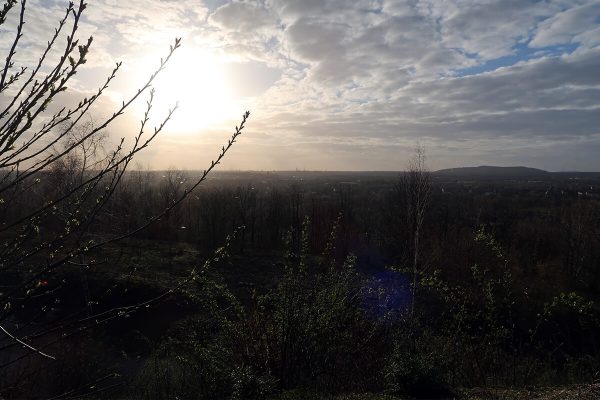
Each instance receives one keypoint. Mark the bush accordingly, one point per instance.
(311, 330)
(420, 363)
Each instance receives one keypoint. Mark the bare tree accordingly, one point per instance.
(415, 189)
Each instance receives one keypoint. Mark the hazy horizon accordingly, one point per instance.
(229, 170)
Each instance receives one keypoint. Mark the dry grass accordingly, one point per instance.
(579, 392)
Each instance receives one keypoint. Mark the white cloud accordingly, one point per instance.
(577, 24)
(243, 17)
(376, 75)
(486, 29)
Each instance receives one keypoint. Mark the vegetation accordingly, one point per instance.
(57, 179)
(142, 284)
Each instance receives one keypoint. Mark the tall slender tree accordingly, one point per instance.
(415, 187)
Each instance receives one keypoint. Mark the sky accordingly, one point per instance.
(346, 85)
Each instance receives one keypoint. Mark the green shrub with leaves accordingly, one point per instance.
(420, 362)
(483, 330)
(200, 358)
(310, 331)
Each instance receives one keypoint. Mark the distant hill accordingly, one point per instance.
(493, 172)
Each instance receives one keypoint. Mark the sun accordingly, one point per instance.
(194, 80)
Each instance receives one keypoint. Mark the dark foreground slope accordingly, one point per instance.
(507, 293)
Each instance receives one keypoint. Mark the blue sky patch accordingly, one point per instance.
(522, 52)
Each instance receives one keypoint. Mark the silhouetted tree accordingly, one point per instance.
(44, 229)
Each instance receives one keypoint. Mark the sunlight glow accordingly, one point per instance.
(193, 79)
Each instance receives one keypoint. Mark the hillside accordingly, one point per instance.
(493, 172)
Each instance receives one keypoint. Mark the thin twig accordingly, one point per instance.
(26, 345)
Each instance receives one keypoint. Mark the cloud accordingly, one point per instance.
(335, 82)
(554, 101)
(243, 17)
(577, 24)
